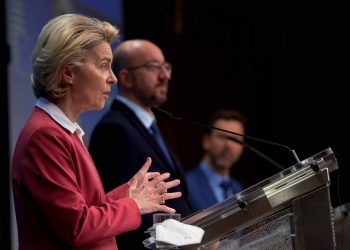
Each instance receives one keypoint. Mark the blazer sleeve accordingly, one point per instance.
(117, 193)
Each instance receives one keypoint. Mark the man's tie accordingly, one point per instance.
(225, 186)
(159, 139)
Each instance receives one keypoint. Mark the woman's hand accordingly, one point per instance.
(150, 191)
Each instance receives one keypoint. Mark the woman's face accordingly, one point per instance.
(92, 82)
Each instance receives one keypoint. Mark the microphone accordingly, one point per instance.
(254, 150)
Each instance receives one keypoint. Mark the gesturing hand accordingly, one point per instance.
(149, 190)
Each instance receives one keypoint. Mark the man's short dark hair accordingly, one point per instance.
(227, 114)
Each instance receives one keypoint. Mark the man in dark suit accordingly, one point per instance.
(210, 182)
(128, 134)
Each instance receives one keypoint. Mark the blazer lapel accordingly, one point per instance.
(117, 105)
(209, 195)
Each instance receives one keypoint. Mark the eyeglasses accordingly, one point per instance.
(154, 67)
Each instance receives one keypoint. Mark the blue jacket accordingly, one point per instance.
(200, 194)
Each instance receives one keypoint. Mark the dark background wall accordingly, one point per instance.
(5, 232)
(4, 145)
(280, 65)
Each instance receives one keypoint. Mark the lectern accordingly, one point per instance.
(289, 210)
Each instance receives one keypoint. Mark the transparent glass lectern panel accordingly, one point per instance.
(280, 207)
(274, 232)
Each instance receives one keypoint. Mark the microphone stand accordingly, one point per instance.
(257, 152)
(254, 150)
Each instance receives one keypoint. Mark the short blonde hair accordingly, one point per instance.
(65, 39)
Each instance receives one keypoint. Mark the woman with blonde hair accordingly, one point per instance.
(60, 202)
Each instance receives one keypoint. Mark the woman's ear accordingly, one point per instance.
(67, 74)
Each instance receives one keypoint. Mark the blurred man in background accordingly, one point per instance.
(210, 182)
